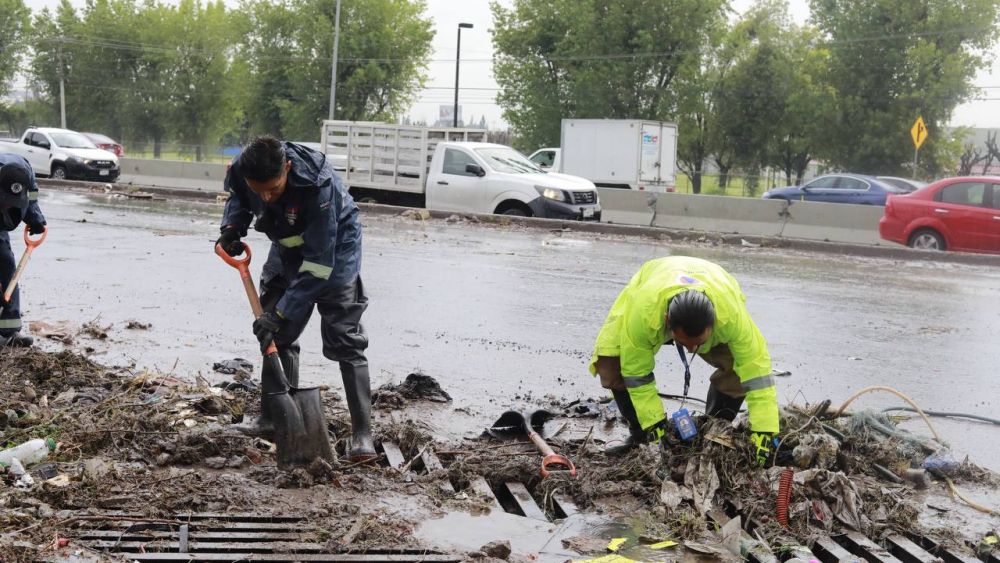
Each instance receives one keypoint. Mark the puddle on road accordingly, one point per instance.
(528, 537)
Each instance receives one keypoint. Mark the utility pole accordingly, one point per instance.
(458, 56)
(333, 74)
(62, 87)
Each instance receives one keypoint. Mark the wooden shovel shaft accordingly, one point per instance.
(17, 273)
(255, 305)
(540, 443)
(29, 247)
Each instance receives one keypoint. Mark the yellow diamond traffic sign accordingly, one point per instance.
(919, 132)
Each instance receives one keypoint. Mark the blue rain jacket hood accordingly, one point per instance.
(18, 193)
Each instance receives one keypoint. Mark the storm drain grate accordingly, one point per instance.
(227, 537)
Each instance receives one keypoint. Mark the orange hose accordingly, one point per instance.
(785, 495)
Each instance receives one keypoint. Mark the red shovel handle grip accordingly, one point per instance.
(32, 243)
(557, 463)
(234, 261)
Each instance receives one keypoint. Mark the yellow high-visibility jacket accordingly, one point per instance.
(636, 328)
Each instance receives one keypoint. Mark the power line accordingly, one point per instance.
(121, 45)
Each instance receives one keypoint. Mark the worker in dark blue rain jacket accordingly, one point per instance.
(18, 203)
(315, 260)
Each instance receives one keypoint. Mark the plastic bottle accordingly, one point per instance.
(685, 425)
(30, 452)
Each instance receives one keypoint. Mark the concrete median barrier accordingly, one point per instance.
(851, 224)
(173, 174)
(627, 207)
(854, 224)
(719, 214)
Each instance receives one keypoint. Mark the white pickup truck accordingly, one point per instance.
(451, 170)
(63, 155)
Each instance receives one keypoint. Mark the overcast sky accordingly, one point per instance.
(478, 88)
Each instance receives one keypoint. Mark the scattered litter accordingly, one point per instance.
(418, 214)
(94, 330)
(616, 543)
(137, 325)
(744, 242)
(236, 366)
(417, 386)
(58, 331)
(662, 544)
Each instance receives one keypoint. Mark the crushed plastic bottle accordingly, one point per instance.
(940, 462)
(685, 425)
(30, 452)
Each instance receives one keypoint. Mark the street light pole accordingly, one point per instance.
(458, 56)
(333, 74)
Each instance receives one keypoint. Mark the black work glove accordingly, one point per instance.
(37, 228)
(266, 327)
(230, 241)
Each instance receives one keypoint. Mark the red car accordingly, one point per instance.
(952, 214)
(106, 143)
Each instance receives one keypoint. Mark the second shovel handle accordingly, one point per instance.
(540, 443)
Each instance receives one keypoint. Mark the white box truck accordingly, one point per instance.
(615, 153)
(451, 170)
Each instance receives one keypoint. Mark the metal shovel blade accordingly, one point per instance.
(289, 426)
(315, 443)
(510, 426)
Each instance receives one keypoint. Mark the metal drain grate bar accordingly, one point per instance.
(393, 455)
(858, 544)
(482, 488)
(199, 547)
(525, 501)
(909, 552)
(193, 535)
(948, 555)
(341, 557)
(829, 551)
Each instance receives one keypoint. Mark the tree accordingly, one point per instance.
(15, 22)
(557, 59)
(288, 46)
(202, 98)
(891, 61)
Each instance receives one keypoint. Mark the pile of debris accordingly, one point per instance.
(856, 472)
(149, 444)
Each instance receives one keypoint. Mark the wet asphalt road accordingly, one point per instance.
(498, 313)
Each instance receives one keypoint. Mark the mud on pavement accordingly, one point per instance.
(144, 447)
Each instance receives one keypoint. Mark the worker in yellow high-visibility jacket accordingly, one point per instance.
(700, 306)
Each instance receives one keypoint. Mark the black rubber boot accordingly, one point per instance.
(262, 426)
(720, 405)
(358, 391)
(636, 436)
(17, 340)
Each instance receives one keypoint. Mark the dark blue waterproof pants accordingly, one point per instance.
(10, 316)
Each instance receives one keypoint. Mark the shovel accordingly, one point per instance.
(515, 425)
(29, 247)
(300, 431)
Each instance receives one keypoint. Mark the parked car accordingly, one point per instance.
(907, 184)
(106, 143)
(838, 188)
(952, 214)
(64, 155)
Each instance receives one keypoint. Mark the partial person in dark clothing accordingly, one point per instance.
(18, 203)
(314, 260)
